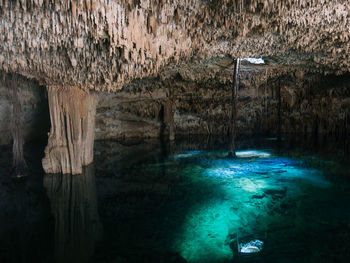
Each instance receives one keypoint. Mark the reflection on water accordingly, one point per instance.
(74, 206)
(25, 223)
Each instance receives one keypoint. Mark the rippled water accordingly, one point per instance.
(182, 202)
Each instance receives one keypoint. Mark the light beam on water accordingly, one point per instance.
(247, 190)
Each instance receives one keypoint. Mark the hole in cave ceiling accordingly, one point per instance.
(258, 61)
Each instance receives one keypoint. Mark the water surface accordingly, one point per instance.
(146, 201)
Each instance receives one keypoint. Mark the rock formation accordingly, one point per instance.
(18, 162)
(233, 117)
(168, 113)
(202, 103)
(34, 109)
(71, 138)
(104, 45)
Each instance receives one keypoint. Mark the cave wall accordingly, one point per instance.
(134, 111)
(310, 104)
(35, 113)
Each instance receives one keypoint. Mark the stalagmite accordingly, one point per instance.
(71, 138)
(232, 152)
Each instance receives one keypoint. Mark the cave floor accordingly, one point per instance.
(146, 201)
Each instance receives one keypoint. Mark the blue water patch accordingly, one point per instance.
(186, 154)
(252, 187)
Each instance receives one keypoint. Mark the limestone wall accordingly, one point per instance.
(310, 103)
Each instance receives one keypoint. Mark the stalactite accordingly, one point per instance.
(168, 116)
(265, 100)
(71, 138)
(114, 42)
(233, 124)
(279, 112)
(19, 163)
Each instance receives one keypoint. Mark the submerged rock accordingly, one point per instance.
(253, 246)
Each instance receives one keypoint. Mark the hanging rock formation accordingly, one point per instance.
(71, 138)
(103, 44)
(233, 119)
(19, 163)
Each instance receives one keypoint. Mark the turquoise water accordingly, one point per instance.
(199, 203)
(182, 202)
(253, 196)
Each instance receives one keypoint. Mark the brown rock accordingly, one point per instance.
(71, 138)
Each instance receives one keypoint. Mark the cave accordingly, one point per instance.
(174, 131)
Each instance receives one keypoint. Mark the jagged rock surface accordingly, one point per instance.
(103, 44)
(71, 138)
(310, 103)
(202, 104)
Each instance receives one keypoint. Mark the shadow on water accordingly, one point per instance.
(46, 218)
(25, 220)
(143, 202)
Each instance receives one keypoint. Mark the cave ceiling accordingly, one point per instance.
(103, 45)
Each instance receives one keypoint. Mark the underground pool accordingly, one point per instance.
(185, 202)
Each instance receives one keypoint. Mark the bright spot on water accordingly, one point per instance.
(257, 61)
(253, 246)
(187, 154)
(251, 186)
(252, 153)
(205, 231)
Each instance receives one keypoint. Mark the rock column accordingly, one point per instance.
(168, 114)
(19, 163)
(169, 118)
(71, 138)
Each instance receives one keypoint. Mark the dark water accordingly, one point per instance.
(146, 201)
